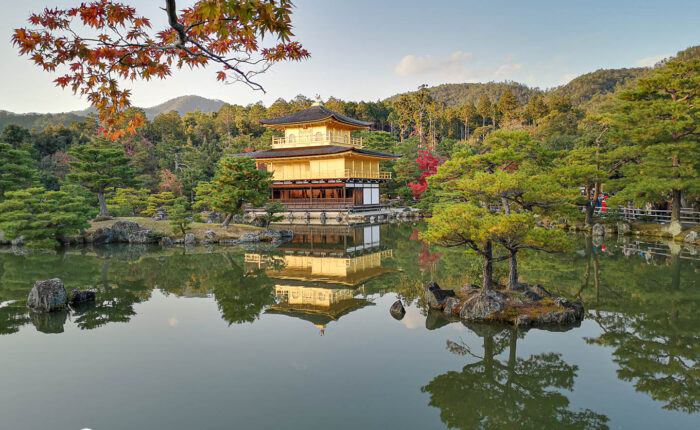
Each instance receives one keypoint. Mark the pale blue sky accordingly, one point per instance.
(371, 49)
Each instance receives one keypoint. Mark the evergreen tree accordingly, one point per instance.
(42, 217)
(661, 115)
(495, 195)
(163, 200)
(17, 169)
(180, 219)
(100, 168)
(508, 106)
(271, 209)
(535, 109)
(484, 108)
(237, 181)
(14, 134)
(128, 201)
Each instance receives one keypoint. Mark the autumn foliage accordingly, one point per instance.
(96, 44)
(428, 165)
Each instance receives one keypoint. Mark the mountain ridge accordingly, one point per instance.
(583, 90)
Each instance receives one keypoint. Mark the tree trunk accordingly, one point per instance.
(103, 203)
(227, 220)
(676, 206)
(487, 271)
(590, 206)
(513, 270)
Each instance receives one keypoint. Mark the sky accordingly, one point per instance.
(372, 49)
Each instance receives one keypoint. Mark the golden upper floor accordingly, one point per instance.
(315, 126)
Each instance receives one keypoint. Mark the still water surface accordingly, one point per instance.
(301, 337)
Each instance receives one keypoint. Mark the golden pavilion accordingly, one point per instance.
(320, 273)
(318, 165)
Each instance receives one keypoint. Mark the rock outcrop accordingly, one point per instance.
(598, 230)
(81, 296)
(436, 296)
(397, 310)
(47, 296)
(122, 229)
(691, 237)
(483, 305)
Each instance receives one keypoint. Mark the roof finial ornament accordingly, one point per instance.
(318, 101)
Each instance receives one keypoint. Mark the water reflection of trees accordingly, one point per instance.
(646, 300)
(126, 276)
(510, 393)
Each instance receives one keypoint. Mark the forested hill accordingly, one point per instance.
(455, 95)
(582, 90)
(185, 104)
(37, 121)
(181, 105)
(595, 85)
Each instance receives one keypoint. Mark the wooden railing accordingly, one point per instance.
(315, 203)
(660, 216)
(334, 174)
(327, 139)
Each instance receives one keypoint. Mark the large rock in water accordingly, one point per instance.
(481, 306)
(397, 311)
(436, 296)
(81, 296)
(691, 237)
(190, 239)
(598, 230)
(269, 235)
(47, 296)
(123, 228)
(623, 228)
(141, 236)
(102, 236)
(249, 237)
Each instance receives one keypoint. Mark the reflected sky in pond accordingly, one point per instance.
(301, 337)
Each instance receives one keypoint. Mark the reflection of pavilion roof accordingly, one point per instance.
(318, 315)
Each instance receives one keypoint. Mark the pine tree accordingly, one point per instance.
(43, 217)
(271, 209)
(128, 201)
(535, 109)
(508, 106)
(100, 168)
(164, 200)
(496, 194)
(237, 181)
(17, 169)
(660, 115)
(179, 217)
(484, 108)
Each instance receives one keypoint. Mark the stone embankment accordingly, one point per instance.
(679, 234)
(127, 231)
(529, 306)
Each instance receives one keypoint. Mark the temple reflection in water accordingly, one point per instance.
(321, 271)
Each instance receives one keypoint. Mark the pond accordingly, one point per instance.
(301, 337)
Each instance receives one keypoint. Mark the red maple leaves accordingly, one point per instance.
(102, 42)
(428, 165)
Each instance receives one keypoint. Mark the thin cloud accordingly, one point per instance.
(651, 61)
(412, 65)
(455, 67)
(506, 70)
(566, 78)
